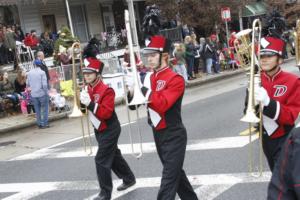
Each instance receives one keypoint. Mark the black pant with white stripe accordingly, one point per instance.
(109, 158)
(171, 146)
(285, 182)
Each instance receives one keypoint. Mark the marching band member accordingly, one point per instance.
(164, 116)
(285, 181)
(280, 96)
(99, 99)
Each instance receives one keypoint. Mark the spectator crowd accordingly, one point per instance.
(207, 56)
(13, 39)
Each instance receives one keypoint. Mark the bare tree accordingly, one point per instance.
(200, 14)
(291, 11)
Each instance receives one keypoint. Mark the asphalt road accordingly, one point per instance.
(216, 159)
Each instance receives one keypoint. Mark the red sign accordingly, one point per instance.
(225, 13)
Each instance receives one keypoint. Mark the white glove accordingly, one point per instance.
(85, 98)
(256, 81)
(125, 64)
(261, 95)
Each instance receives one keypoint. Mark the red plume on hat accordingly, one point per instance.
(92, 65)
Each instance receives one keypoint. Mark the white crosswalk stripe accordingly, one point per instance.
(195, 145)
(208, 187)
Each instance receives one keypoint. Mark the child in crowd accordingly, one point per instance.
(222, 60)
(178, 62)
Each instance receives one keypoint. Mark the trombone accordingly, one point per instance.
(250, 117)
(76, 112)
(138, 97)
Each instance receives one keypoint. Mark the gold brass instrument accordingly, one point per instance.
(138, 97)
(242, 45)
(247, 51)
(297, 43)
(76, 112)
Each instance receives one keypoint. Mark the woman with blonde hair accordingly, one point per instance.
(178, 63)
(196, 54)
(20, 81)
(7, 90)
(189, 56)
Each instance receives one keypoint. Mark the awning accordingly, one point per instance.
(16, 2)
(8, 2)
(254, 9)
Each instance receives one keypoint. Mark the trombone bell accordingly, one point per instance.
(138, 97)
(250, 117)
(76, 112)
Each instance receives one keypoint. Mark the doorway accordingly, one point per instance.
(79, 22)
(49, 23)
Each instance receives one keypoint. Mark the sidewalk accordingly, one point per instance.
(17, 122)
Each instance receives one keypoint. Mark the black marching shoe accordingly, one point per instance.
(101, 197)
(124, 186)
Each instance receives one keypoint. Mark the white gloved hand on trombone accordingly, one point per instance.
(261, 95)
(85, 97)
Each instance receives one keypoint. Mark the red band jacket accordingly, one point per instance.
(281, 113)
(102, 106)
(165, 97)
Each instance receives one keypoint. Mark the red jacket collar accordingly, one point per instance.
(93, 85)
(160, 71)
(275, 76)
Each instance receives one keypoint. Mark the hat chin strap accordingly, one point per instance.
(159, 63)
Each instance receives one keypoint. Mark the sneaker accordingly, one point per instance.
(44, 127)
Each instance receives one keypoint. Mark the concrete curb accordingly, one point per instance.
(213, 78)
(32, 123)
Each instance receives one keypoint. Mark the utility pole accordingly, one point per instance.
(241, 18)
(69, 17)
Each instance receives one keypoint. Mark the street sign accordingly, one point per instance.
(225, 13)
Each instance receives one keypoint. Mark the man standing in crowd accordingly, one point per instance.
(3, 55)
(208, 54)
(39, 61)
(38, 87)
(100, 102)
(202, 53)
(164, 112)
(10, 44)
(280, 97)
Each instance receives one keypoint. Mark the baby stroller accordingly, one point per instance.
(57, 101)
